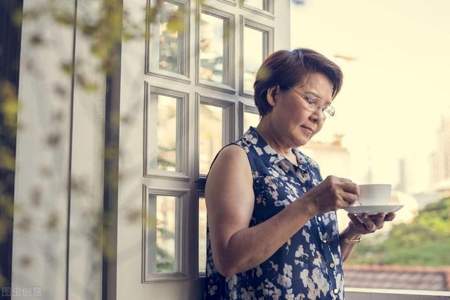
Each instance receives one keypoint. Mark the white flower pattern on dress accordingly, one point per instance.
(309, 264)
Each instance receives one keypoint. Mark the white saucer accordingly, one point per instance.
(373, 209)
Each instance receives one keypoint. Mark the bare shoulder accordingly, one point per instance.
(229, 186)
(229, 199)
(230, 161)
(232, 152)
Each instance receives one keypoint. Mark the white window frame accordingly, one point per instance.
(201, 274)
(152, 45)
(248, 109)
(267, 11)
(149, 241)
(229, 53)
(229, 2)
(268, 46)
(182, 130)
(228, 118)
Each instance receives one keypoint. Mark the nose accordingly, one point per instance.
(317, 116)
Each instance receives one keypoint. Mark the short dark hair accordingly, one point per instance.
(288, 68)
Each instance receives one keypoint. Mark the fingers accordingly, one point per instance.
(345, 184)
(367, 223)
(349, 198)
(357, 224)
(334, 193)
(378, 220)
(350, 191)
(350, 187)
(389, 216)
(354, 218)
(346, 189)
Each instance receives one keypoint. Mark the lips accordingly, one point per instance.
(309, 129)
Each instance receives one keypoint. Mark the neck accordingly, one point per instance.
(269, 133)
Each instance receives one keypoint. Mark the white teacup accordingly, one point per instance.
(374, 194)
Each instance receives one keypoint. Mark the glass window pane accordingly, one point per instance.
(253, 55)
(210, 135)
(171, 38)
(250, 119)
(211, 48)
(165, 156)
(202, 225)
(255, 3)
(162, 223)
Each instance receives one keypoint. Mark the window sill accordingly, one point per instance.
(391, 294)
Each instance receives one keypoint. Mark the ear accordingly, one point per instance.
(272, 95)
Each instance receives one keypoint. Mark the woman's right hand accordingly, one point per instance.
(331, 194)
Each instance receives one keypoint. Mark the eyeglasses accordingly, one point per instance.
(313, 104)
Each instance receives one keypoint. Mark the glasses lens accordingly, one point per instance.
(330, 111)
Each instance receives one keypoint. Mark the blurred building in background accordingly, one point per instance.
(332, 157)
(440, 159)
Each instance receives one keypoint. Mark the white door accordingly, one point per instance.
(185, 92)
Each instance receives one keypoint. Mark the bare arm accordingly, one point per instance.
(230, 199)
(346, 243)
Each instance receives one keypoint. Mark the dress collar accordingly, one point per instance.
(253, 136)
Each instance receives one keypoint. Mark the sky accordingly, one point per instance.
(395, 90)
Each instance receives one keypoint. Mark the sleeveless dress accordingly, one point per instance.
(309, 264)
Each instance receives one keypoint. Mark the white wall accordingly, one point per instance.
(85, 254)
(42, 165)
(49, 173)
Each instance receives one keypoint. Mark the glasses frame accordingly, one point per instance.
(313, 104)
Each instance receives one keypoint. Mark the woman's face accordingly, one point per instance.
(295, 120)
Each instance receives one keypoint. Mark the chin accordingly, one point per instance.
(302, 137)
(302, 141)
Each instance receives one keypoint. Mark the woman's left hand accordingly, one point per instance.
(364, 223)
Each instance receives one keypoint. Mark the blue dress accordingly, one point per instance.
(309, 264)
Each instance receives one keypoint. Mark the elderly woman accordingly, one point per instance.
(272, 228)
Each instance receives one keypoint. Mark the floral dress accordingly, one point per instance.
(309, 264)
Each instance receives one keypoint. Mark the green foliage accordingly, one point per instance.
(425, 241)
(165, 261)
